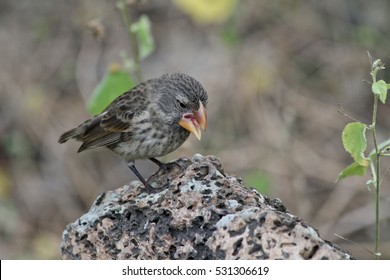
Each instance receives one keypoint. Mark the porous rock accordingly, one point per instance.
(196, 211)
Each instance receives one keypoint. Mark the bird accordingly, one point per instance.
(150, 120)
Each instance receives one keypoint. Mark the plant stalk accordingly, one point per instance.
(133, 40)
(377, 174)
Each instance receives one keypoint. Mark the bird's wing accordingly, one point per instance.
(115, 119)
(119, 116)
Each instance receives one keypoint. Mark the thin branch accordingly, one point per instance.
(376, 66)
(353, 242)
(133, 40)
(384, 175)
(342, 112)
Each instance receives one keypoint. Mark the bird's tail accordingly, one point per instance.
(75, 133)
(79, 132)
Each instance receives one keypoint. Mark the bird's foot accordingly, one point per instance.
(168, 171)
(181, 163)
(149, 189)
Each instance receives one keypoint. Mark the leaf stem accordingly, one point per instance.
(342, 112)
(133, 40)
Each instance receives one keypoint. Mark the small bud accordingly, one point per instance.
(97, 29)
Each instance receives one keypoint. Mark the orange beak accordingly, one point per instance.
(195, 121)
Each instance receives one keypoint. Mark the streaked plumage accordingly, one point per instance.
(150, 120)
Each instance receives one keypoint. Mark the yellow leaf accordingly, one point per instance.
(207, 11)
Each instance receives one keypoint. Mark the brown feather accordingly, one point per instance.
(105, 139)
(115, 122)
(68, 135)
(96, 136)
(106, 128)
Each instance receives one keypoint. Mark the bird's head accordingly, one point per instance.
(184, 100)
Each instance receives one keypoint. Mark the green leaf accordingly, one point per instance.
(355, 142)
(352, 170)
(114, 83)
(259, 181)
(142, 29)
(380, 88)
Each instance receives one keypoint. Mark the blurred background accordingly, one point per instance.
(275, 72)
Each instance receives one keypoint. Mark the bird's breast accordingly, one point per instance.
(149, 141)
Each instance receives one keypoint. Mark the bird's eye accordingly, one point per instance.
(181, 104)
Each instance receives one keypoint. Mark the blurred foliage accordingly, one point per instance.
(229, 36)
(114, 83)
(143, 32)
(259, 181)
(117, 81)
(16, 145)
(206, 11)
(274, 70)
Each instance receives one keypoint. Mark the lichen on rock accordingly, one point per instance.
(196, 211)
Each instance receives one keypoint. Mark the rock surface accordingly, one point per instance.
(197, 211)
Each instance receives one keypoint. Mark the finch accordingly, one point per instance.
(150, 120)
